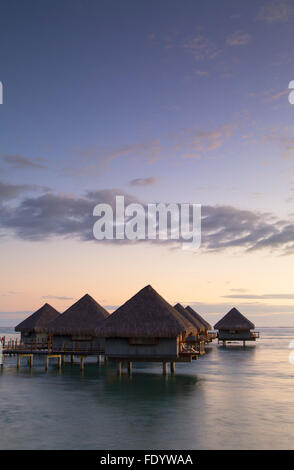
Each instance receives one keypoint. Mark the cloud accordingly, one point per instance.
(56, 215)
(278, 95)
(260, 297)
(201, 47)
(223, 227)
(150, 181)
(238, 38)
(100, 159)
(239, 290)
(202, 142)
(56, 297)
(11, 191)
(276, 11)
(111, 308)
(259, 312)
(202, 73)
(280, 138)
(7, 318)
(18, 161)
(9, 293)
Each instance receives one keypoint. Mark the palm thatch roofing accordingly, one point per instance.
(38, 321)
(83, 317)
(146, 315)
(199, 317)
(195, 322)
(234, 320)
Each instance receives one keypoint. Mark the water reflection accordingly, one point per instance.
(233, 397)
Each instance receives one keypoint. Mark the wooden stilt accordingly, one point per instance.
(50, 356)
(172, 367)
(72, 358)
(82, 365)
(164, 368)
(130, 367)
(18, 362)
(118, 368)
(99, 359)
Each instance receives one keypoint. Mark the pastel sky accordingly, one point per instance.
(158, 100)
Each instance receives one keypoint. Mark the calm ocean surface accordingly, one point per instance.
(231, 398)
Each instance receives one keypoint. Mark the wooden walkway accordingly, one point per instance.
(188, 352)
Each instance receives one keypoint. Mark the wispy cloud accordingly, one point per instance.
(276, 11)
(259, 312)
(260, 296)
(56, 297)
(17, 161)
(204, 141)
(238, 38)
(9, 293)
(150, 181)
(99, 159)
(201, 47)
(11, 191)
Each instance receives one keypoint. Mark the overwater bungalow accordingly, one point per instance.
(235, 327)
(209, 336)
(196, 315)
(147, 328)
(75, 328)
(186, 314)
(199, 339)
(33, 328)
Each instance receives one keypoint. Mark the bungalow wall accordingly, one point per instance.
(241, 335)
(78, 342)
(32, 337)
(126, 348)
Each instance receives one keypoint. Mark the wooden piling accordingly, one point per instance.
(99, 359)
(130, 367)
(118, 368)
(51, 356)
(164, 368)
(172, 367)
(31, 361)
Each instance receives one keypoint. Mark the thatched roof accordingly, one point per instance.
(234, 320)
(145, 315)
(196, 323)
(38, 321)
(199, 317)
(83, 317)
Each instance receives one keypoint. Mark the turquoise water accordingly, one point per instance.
(231, 398)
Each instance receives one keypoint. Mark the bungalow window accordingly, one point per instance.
(143, 341)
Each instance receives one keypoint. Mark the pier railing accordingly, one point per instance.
(254, 334)
(14, 347)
